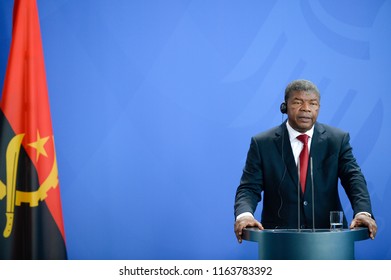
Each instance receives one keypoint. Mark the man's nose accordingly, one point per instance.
(305, 107)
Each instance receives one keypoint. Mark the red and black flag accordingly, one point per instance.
(31, 223)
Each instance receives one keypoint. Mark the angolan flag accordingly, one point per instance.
(31, 223)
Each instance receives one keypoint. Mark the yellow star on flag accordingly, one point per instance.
(39, 145)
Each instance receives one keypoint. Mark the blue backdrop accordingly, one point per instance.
(154, 102)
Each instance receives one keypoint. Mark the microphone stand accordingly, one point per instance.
(313, 197)
(298, 196)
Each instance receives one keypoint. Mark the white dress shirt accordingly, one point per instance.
(296, 144)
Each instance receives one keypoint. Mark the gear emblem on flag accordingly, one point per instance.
(15, 197)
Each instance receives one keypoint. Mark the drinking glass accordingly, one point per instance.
(336, 220)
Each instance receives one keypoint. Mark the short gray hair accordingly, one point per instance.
(300, 85)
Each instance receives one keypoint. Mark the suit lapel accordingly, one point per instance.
(317, 147)
(285, 149)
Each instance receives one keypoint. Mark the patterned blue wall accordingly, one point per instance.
(154, 103)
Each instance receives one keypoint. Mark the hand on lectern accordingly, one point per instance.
(243, 222)
(366, 221)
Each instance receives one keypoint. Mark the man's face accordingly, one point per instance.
(302, 110)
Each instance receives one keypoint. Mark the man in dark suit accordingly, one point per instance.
(273, 167)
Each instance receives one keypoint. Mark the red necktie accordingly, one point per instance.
(303, 160)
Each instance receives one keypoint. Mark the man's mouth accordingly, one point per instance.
(304, 118)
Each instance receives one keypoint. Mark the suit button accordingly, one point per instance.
(305, 203)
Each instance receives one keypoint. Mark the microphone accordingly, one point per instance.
(313, 199)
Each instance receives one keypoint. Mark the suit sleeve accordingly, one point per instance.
(248, 193)
(352, 179)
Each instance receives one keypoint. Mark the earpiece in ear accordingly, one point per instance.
(283, 108)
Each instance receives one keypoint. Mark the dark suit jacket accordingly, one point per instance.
(271, 170)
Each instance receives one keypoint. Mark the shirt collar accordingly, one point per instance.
(294, 133)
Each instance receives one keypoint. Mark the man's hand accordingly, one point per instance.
(365, 221)
(243, 222)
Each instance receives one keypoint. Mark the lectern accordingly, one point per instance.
(305, 244)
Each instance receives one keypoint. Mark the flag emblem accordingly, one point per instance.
(16, 197)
